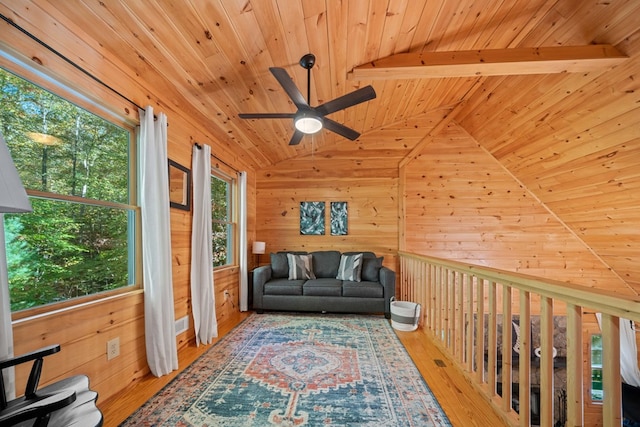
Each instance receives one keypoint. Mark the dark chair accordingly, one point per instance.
(631, 403)
(67, 402)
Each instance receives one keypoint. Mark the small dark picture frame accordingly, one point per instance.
(179, 186)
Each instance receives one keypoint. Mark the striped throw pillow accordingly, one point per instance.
(300, 267)
(350, 268)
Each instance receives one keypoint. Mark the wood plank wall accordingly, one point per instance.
(461, 204)
(84, 331)
(369, 187)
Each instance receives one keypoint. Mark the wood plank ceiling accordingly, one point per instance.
(570, 139)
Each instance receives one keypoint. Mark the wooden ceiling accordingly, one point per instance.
(571, 139)
(216, 54)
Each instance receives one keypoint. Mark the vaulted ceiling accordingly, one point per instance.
(571, 138)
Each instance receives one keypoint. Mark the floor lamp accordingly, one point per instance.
(258, 249)
(13, 199)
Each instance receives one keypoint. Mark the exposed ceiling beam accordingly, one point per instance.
(490, 62)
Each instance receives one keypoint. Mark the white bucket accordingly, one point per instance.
(404, 315)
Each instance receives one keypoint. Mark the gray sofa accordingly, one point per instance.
(324, 281)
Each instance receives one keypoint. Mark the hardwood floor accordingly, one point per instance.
(462, 404)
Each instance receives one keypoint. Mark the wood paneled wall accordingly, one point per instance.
(369, 189)
(84, 331)
(462, 204)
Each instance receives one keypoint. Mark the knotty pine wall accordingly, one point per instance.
(371, 192)
(461, 204)
(84, 331)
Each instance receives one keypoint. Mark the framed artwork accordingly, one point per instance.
(312, 218)
(179, 186)
(339, 219)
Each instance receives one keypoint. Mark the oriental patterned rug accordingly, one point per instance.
(299, 370)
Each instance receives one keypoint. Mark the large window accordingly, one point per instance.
(222, 220)
(79, 239)
(596, 368)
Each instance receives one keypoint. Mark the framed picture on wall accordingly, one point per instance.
(179, 186)
(312, 218)
(339, 219)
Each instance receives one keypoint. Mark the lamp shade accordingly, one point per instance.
(13, 197)
(258, 247)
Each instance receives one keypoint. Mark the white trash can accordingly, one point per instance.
(404, 315)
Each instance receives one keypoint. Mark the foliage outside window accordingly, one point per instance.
(222, 221)
(78, 240)
(596, 368)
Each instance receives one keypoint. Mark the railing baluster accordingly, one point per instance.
(480, 331)
(612, 406)
(506, 349)
(546, 362)
(492, 341)
(470, 331)
(575, 399)
(524, 365)
(460, 323)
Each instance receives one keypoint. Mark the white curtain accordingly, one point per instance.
(628, 352)
(6, 330)
(244, 251)
(160, 335)
(202, 289)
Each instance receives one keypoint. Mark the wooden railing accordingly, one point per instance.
(461, 303)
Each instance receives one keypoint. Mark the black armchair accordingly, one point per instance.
(66, 402)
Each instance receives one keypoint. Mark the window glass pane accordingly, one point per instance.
(596, 367)
(67, 247)
(65, 250)
(222, 225)
(61, 148)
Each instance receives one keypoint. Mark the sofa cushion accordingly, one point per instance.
(283, 287)
(279, 265)
(350, 267)
(371, 269)
(362, 289)
(325, 263)
(323, 287)
(300, 266)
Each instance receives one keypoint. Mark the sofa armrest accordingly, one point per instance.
(388, 280)
(261, 275)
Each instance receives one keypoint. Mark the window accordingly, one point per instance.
(596, 368)
(222, 220)
(80, 238)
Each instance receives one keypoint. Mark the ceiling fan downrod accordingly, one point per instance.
(307, 62)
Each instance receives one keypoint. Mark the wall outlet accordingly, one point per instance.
(113, 348)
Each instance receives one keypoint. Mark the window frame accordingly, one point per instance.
(232, 223)
(95, 104)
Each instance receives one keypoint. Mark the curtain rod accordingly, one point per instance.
(69, 61)
(199, 147)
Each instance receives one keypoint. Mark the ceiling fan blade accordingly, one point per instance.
(289, 86)
(340, 129)
(296, 138)
(266, 115)
(354, 98)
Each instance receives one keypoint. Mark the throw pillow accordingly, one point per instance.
(371, 269)
(350, 268)
(300, 267)
(279, 265)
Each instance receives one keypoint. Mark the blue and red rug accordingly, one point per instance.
(299, 370)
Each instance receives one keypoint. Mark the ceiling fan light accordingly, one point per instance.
(308, 123)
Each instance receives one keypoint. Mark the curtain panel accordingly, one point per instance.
(160, 336)
(202, 286)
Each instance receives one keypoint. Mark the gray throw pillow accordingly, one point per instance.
(350, 268)
(300, 267)
(279, 265)
(371, 269)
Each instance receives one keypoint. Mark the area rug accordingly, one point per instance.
(299, 370)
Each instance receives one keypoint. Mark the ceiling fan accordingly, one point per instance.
(308, 119)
